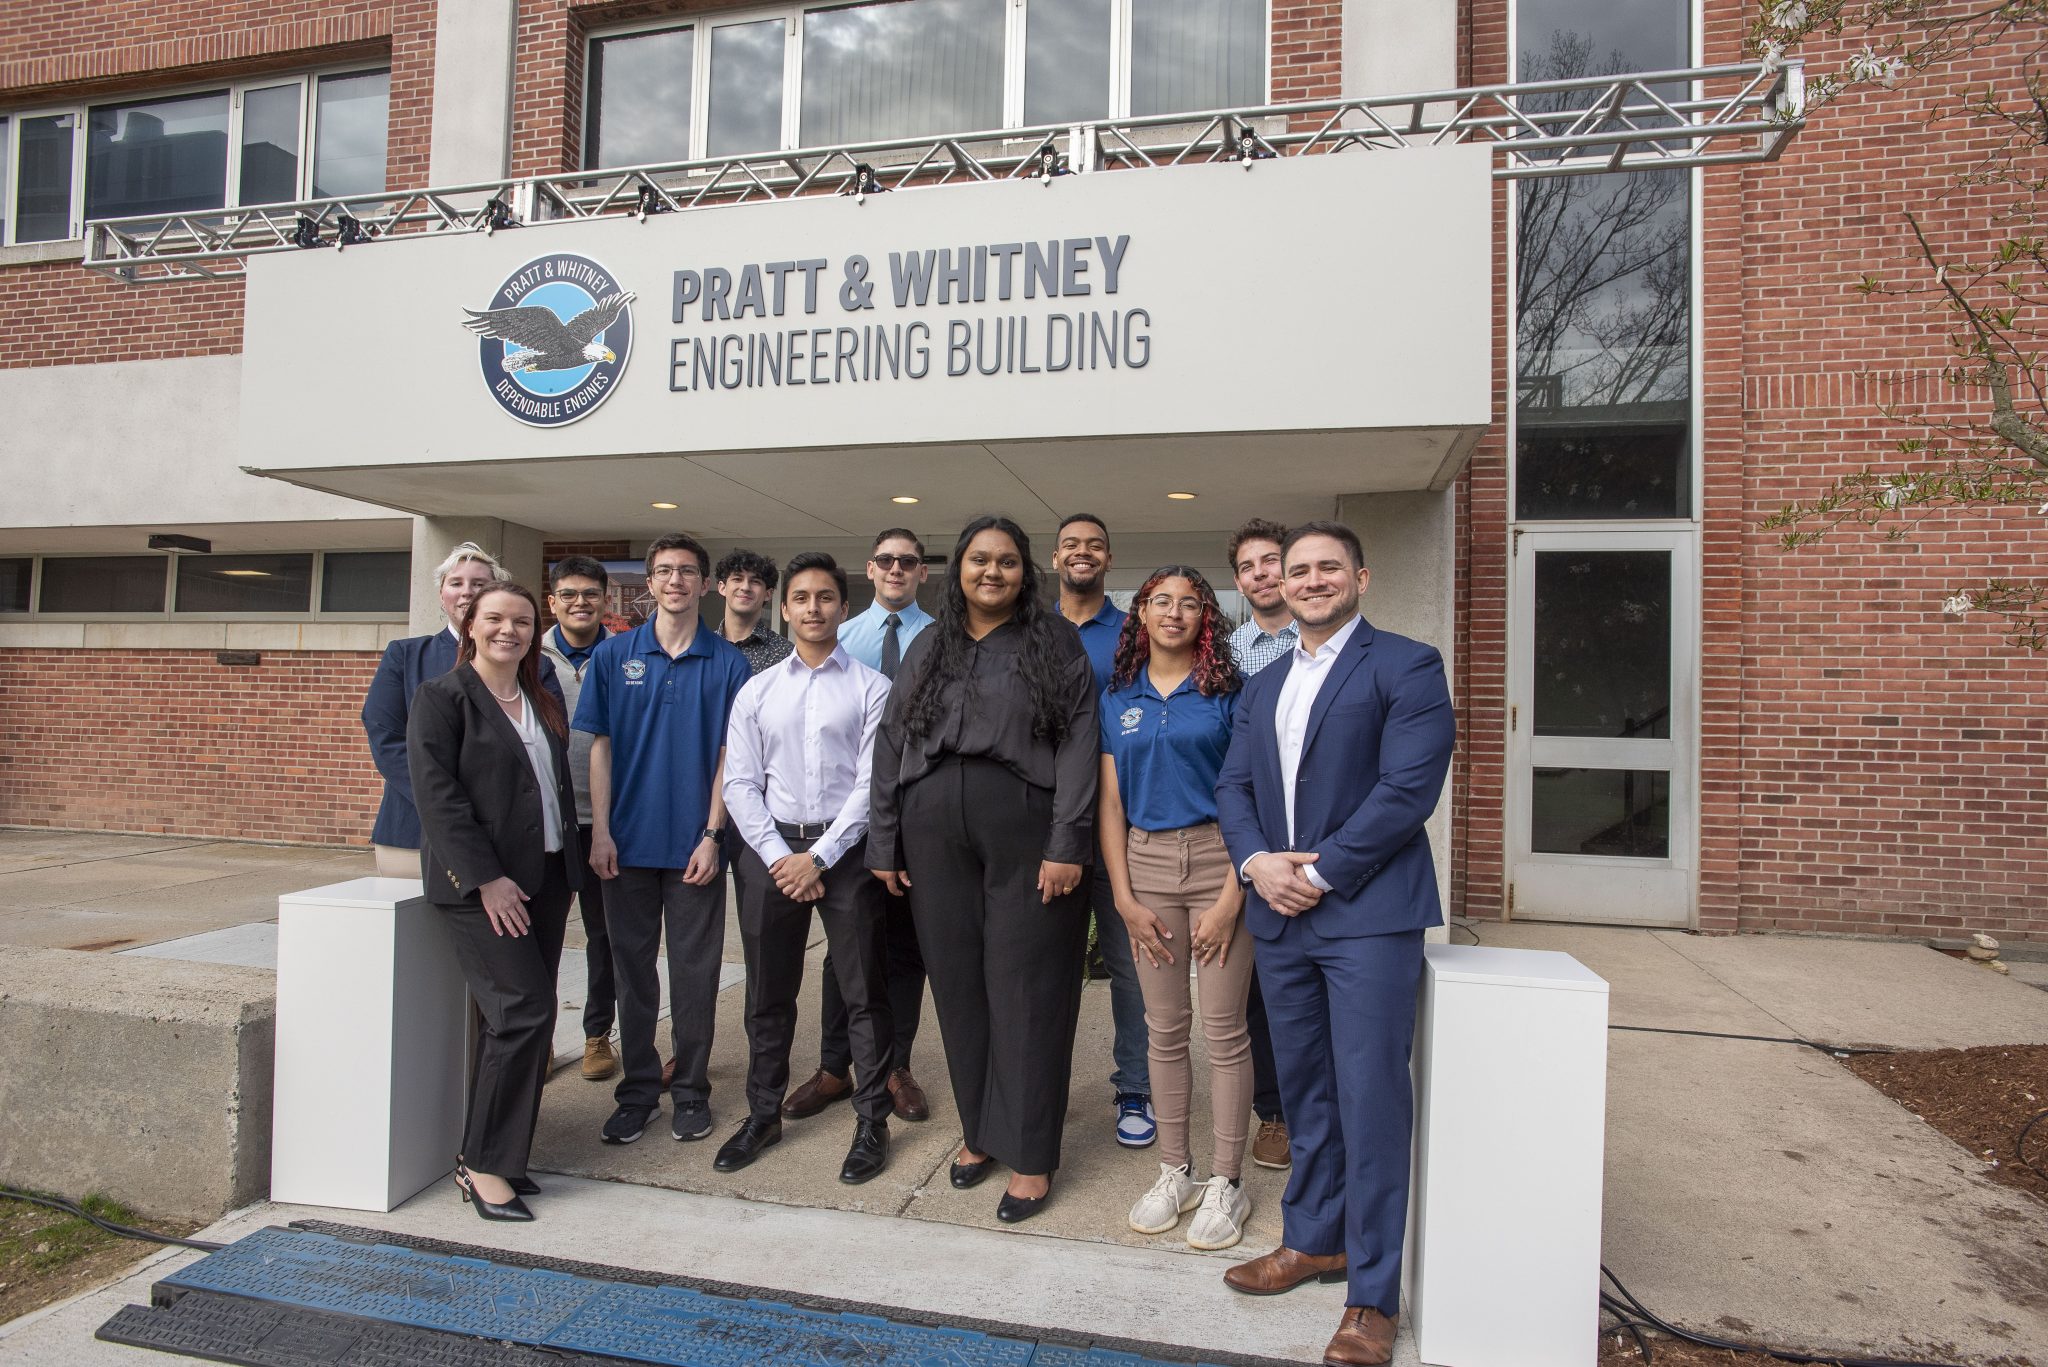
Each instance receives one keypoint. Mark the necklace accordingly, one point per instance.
(501, 697)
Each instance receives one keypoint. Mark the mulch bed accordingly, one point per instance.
(1978, 1097)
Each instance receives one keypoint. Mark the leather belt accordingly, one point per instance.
(802, 830)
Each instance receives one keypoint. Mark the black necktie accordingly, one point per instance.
(892, 651)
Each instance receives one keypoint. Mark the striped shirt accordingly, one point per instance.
(1254, 649)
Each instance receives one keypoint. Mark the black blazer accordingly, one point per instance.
(480, 808)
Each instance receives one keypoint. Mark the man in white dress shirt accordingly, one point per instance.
(798, 751)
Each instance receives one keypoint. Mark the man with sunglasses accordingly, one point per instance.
(879, 638)
(577, 586)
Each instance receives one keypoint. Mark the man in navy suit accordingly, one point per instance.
(1337, 759)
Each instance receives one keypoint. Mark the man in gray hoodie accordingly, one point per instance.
(577, 586)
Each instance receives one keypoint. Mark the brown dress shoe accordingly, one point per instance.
(1269, 1145)
(599, 1061)
(1284, 1269)
(1365, 1338)
(907, 1097)
(814, 1096)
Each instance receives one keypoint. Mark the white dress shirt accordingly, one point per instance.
(534, 737)
(1306, 672)
(799, 749)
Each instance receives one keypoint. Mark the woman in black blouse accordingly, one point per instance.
(983, 812)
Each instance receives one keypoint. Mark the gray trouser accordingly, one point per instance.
(639, 905)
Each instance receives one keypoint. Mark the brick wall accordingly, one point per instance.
(171, 742)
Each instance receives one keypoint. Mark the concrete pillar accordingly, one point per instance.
(517, 547)
(1411, 548)
(471, 137)
(1399, 47)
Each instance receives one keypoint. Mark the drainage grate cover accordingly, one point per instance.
(296, 1298)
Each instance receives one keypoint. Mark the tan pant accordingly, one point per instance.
(393, 862)
(1178, 874)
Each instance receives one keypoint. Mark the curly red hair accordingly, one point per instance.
(1214, 673)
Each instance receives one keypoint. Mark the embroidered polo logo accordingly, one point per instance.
(634, 670)
(1131, 717)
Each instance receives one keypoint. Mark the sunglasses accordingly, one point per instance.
(896, 562)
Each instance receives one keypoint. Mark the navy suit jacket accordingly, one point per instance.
(1373, 762)
(406, 665)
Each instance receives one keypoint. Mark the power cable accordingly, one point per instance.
(1634, 1317)
(1835, 1050)
(125, 1231)
(2019, 1144)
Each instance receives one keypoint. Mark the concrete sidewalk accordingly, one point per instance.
(1754, 1189)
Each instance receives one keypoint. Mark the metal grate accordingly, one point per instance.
(1664, 120)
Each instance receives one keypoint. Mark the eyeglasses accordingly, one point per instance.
(579, 595)
(896, 562)
(661, 574)
(1160, 602)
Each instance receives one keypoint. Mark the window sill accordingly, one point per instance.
(29, 253)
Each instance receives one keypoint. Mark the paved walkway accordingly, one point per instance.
(1754, 1189)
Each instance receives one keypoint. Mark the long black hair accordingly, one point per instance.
(1043, 657)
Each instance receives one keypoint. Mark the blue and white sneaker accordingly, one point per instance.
(1135, 1127)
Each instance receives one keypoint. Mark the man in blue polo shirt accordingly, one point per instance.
(1082, 559)
(656, 700)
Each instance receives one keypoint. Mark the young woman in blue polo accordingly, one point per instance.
(1165, 722)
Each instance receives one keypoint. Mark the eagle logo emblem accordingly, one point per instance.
(1131, 717)
(554, 340)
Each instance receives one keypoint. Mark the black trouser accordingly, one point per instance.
(773, 934)
(1005, 966)
(905, 977)
(600, 1003)
(638, 905)
(1265, 1082)
(511, 979)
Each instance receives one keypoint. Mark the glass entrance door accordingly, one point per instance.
(1600, 734)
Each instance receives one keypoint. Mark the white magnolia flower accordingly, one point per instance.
(1893, 495)
(1956, 605)
(1772, 54)
(1788, 13)
(2041, 511)
(1868, 66)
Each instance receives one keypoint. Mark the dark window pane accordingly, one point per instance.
(366, 581)
(244, 583)
(157, 157)
(103, 583)
(640, 99)
(1188, 55)
(15, 572)
(1603, 644)
(1573, 469)
(1622, 813)
(42, 208)
(353, 113)
(902, 69)
(746, 88)
(270, 145)
(1066, 60)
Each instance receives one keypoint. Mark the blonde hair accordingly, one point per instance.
(469, 550)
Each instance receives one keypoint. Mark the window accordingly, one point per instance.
(102, 583)
(16, 573)
(193, 150)
(244, 583)
(366, 581)
(819, 75)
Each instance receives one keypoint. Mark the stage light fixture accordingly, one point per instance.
(651, 201)
(350, 230)
(307, 233)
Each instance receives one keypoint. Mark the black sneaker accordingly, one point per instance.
(693, 1120)
(628, 1123)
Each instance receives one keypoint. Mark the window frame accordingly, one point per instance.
(1015, 27)
(305, 79)
(169, 613)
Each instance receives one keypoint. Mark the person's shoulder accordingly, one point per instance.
(1399, 650)
(751, 691)
(611, 646)
(444, 688)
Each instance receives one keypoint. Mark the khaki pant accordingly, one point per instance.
(1178, 875)
(393, 862)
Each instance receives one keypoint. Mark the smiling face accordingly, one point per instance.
(1171, 613)
(744, 593)
(502, 628)
(1082, 557)
(813, 607)
(1323, 586)
(1257, 572)
(579, 604)
(897, 571)
(460, 588)
(676, 580)
(992, 573)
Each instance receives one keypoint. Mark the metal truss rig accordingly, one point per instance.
(1645, 121)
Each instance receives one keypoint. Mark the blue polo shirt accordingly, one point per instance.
(1098, 638)
(666, 719)
(1168, 751)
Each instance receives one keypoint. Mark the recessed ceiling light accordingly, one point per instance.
(665, 507)
(1182, 497)
(904, 498)
(248, 574)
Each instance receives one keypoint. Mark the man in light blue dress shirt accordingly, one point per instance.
(879, 638)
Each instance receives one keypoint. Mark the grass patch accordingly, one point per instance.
(46, 1255)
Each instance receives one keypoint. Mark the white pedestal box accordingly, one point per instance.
(372, 1046)
(1511, 1111)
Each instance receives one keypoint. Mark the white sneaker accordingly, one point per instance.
(1220, 1221)
(1172, 1196)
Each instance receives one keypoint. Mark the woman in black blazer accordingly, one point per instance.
(490, 775)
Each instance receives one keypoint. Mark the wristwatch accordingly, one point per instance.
(816, 862)
(712, 833)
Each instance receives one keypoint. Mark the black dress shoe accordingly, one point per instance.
(523, 1186)
(1015, 1209)
(965, 1175)
(753, 1135)
(869, 1154)
(514, 1209)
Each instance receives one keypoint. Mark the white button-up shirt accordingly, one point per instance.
(1306, 672)
(799, 748)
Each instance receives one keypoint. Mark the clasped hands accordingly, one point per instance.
(798, 878)
(1281, 878)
